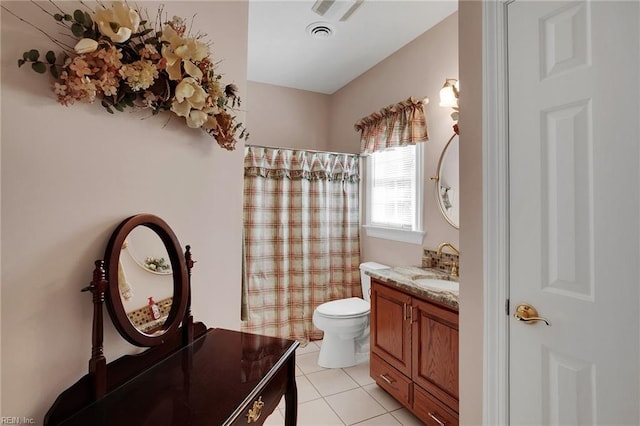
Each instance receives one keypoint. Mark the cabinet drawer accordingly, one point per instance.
(431, 411)
(266, 402)
(391, 380)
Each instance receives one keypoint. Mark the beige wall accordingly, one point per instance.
(70, 175)
(419, 69)
(294, 118)
(287, 118)
(471, 219)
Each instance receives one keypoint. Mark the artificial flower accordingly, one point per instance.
(224, 132)
(189, 96)
(117, 23)
(179, 51)
(139, 75)
(225, 121)
(80, 66)
(173, 63)
(196, 118)
(125, 62)
(86, 45)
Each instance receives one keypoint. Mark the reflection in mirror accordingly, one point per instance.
(146, 308)
(145, 280)
(448, 183)
(146, 249)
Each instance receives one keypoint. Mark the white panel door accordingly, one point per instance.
(573, 95)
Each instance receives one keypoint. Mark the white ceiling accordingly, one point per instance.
(281, 52)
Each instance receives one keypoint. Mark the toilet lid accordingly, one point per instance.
(352, 306)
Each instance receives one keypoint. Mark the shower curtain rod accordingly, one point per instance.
(300, 149)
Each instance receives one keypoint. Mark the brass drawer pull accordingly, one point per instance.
(436, 419)
(386, 379)
(254, 413)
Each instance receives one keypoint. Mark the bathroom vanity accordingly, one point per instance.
(189, 375)
(414, 341)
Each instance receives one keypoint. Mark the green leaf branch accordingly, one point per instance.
(33, 56)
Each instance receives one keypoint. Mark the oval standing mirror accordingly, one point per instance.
(448, 183)
(147, 292)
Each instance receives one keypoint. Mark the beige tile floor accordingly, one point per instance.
(346, 396)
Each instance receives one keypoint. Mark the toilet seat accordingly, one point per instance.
(344, 308)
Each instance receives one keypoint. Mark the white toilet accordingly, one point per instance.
(345, 323)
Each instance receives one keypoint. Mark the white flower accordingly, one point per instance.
(196, 118)
(117, 23)
(182, 50)
(86, 45)
(189, 101)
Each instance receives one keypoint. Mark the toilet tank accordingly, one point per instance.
(365, 280)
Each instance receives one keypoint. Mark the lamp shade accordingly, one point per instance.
(449, 93)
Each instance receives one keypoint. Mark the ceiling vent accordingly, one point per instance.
(321, 6)
(356, 4)
(320, 30)
(343, 8)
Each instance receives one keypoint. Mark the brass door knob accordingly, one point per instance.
(528, 314)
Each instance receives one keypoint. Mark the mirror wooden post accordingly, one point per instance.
(98, 363)
(188, 318)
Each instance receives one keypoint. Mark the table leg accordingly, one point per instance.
(291, 394)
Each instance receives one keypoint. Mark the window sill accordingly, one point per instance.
(402, 235)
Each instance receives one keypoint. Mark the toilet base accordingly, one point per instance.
(336, 352)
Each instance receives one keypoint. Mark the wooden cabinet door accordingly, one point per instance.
(390, 326)
(435, 351)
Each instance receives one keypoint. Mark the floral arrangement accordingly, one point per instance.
(126, 61)
(156, 264)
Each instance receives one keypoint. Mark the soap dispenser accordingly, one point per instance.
(153, 308)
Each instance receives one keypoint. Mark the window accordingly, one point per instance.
(394, 194)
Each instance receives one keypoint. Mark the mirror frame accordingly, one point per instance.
(180, 280)
(436, 178)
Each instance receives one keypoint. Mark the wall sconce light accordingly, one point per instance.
(449, 93)
(449, 98)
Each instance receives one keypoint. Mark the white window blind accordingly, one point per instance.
(394, 192)
(393, 188)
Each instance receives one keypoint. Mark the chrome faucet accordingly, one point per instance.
(454, 265)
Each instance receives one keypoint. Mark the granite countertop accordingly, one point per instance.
(424, 282)
(152, 327)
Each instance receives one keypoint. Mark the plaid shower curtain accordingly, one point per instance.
(301, 238)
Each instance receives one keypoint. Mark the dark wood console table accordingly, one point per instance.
(189, 375)
(223, 378)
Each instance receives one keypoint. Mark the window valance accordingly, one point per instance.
(399, 124)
